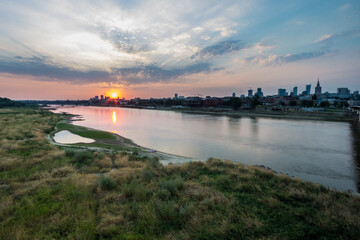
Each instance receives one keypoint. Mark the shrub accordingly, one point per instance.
(163, 194)
(154, 162)
(69, 153)
(147, 174)
(173, 185)
(135, 190)
(82, 158)
(107, 183)
(167, 213)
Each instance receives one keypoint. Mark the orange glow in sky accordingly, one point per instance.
(113, 93)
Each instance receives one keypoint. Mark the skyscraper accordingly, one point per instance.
(295, 90)
(308, 89)
(281, 92)
(250, 93)
(259, 92)
(318, 88)
(175, 96)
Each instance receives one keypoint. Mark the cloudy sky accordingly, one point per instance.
(77, 49)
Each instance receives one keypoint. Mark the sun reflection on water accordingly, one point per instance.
(114, 117)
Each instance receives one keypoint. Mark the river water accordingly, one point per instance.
(318, 151)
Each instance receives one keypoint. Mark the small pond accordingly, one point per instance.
(67, 137)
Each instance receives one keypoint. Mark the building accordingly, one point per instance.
(233, 95)
(102, 97)
(259, 92)
(308, 89)
(250, 93)
(96, 97)
(295, 91)
(281, 92)
(212, 102)
(175, 96)
(318, 88)
(343, 91)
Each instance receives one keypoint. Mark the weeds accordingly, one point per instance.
(107, 183)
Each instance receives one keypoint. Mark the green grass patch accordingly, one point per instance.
(86, 132)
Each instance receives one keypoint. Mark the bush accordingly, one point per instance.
(173, 185)
(154, 162)
(163, 194)
(135, 190)
(325, 104)
(107, 183)
(69, 153)
(82, 158)
(147, 174)
(167, 213)
(293, 103)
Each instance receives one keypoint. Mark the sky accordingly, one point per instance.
(77, 49)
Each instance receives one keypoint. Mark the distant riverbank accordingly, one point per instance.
(327, 115)
(334, 114)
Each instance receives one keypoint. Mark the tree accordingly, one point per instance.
(281, 103)
(293, 103)
(344, 104)
(6, 102)
(307, 103)
(255, 101)
(235, 103)
(325, 104)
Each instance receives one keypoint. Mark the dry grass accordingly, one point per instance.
(47, 193)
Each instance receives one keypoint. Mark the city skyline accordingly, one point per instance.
(67, 50)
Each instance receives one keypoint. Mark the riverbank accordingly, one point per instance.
(339, 115)
(335, 115)
(56, 192)
(109, 142)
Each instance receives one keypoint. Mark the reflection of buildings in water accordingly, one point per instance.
(255, 126)
(114, 117)
(234, 125)
(355, 131)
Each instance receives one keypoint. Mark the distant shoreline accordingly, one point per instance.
(334, 115)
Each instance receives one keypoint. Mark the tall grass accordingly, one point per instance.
(51, 193)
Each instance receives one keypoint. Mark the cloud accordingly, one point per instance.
(329, 38)
(219, 48)
(128, 42)
(41, 67)
(38, 67)
(152, 73)
(273, 59)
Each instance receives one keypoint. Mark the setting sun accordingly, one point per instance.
(114, 95)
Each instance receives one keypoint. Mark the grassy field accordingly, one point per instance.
(48, 192)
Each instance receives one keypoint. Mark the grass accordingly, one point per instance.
(85, 132)
(48, 192)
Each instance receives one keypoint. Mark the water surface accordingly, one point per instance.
(318, 151)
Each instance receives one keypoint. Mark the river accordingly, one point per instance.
(318, 151)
